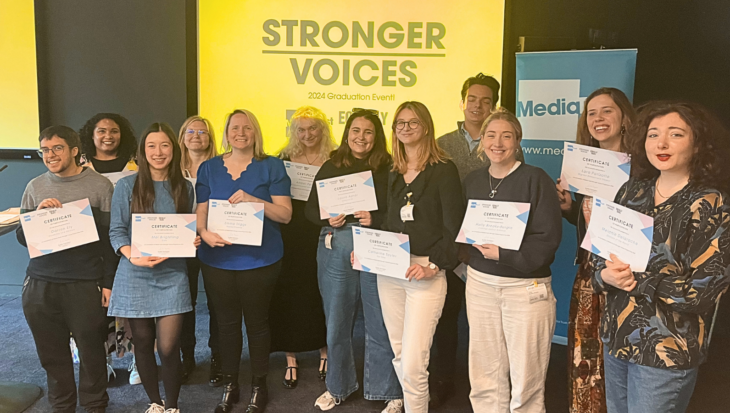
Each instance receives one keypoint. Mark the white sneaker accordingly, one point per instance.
(394, 406)
(110, 373)
(172, 411)
(135, 379)
(155, 408)
(327, 402)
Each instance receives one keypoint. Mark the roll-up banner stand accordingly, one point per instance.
(551, 89)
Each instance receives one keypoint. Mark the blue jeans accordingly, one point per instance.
(633, 388)
(340, 287)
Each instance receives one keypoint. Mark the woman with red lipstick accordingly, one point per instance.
(607, 116)
(655, 323)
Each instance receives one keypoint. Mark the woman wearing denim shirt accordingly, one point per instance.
(656, 323)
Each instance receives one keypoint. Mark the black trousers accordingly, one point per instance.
(188, 341)
(446, 338)
(53, 312)
(242, 295)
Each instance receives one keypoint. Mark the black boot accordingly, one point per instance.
(259, 395)
(231, 394)
(188, 364)
(216, 378)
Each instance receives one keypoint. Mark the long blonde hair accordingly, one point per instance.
(294, 147)
(429, 152)
(500, 114)
(186, 162)
(258, 140)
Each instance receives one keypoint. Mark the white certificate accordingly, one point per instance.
(593, 171)
(494, 222)
(116, 176)
(346, 194)
(302, 177)
(163, 235)
(241, 223)
(381, 252)
(56, 229)
(618, 230)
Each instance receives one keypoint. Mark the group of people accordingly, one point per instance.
(636, 339)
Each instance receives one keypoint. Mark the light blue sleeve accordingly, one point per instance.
(120, 231)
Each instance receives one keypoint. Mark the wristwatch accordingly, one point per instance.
(433, 266)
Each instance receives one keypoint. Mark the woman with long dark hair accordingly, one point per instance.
(655, 326)
(152, 292)
(363, 148)
(604, 123)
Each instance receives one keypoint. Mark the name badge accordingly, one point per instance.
(406, 213)
(328, 241)
(537, 292)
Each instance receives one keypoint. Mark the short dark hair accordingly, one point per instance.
(127, 143)
(65, 133)
(709, 166)
(484, 80)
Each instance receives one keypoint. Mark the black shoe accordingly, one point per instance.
(440, 391)
(259, 395)
(323, 371)
(231, 395)
(216, 377)
(188, 365)
(291, 382)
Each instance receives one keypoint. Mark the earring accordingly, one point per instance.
(623, 130)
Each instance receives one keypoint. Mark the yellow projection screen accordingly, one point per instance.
(273, 57)
(18, 76)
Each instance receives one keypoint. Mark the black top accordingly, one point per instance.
(105, 167)
(437, 213)
(575, 216)
(544, 228)
(329, 170)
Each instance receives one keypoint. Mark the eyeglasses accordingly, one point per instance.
(57, 150)
(370, 111)
(412, 124)
(198, 132)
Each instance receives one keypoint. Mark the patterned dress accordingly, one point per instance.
(664, 321)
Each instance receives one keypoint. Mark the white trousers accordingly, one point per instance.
(509, 341)
(411, 311)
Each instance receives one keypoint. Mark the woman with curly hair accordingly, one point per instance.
(109, 143)
(655, 326)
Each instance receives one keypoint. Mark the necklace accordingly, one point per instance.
(657, 189)
(307, 158)
(494, 189)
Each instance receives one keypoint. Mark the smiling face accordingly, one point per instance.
(478, 104)
(158, 151)
(412, 131)
(107, 137)
(361, 137)
(240, 133)
(309, 132)
(59, 157)
(197, 136)
(669, 144)
(500, 142)
(603, 118)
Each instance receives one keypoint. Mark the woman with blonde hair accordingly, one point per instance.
(425, 202)
(240, 279)
(197, 145)
(296, 316)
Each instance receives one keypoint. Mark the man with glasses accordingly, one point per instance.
(479, 95)
(64, 293)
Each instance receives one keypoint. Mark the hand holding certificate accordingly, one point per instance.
(163, 235)
(301, 176)
(593, 171)
(346, 194)
(494, 222)
(618, 230)
(56, 229)
(381, 252)
(241, 223)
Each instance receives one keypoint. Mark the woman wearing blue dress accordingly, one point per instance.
(152, 292)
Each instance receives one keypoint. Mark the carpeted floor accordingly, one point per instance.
(18, 362)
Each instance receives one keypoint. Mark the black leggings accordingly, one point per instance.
(167, 331)
(237, 295)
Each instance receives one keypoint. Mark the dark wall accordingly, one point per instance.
(127, 57)
(683, 46)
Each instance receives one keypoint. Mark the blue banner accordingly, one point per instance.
(551, 88)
